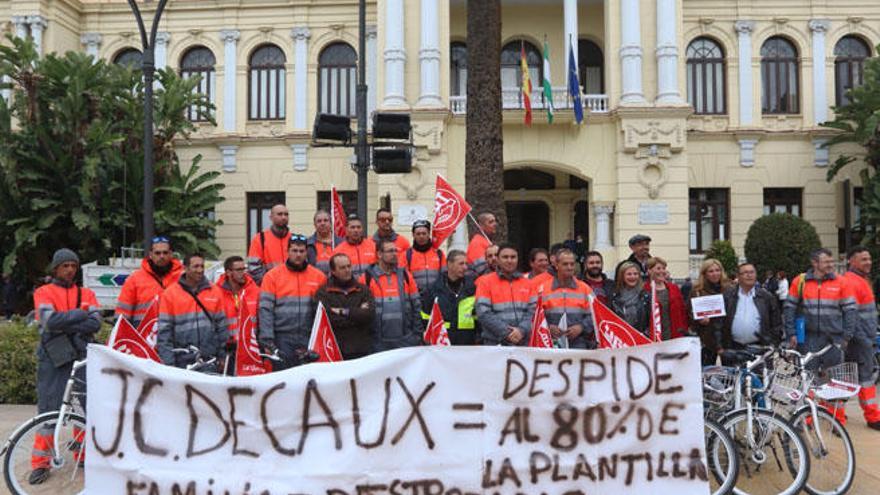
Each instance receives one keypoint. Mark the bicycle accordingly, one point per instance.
(722, 459)
(773, 458)
(66, 454)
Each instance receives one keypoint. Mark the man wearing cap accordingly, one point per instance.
(143, 287)
(68, 317)
(268, 248)
(361, 253)
(322, 243)
(640, 244)
(423, 260)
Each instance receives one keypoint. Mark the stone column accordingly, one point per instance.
(161, 50)
(570, 29)
(429, 56)
(820, 92)
(667, 53)
(372, 65)
(631, 53)
(395, 55)
(92, 42)
(21, 26)
(38, 25)
(300, 37)
(603, 226)
(230, 38)
(746, 90)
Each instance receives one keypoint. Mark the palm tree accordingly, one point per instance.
(484, 160)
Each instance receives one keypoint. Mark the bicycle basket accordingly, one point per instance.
(787, 386)
(840, 382)
(718, 389)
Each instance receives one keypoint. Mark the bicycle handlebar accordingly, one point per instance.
(803, 359)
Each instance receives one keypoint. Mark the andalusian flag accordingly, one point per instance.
(526, 86)
(548, 87)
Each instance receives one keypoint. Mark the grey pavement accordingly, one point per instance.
(866, 441)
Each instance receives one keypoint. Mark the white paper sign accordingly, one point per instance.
(409, 214)
(653, 213)
(420, 421)
(708, 307)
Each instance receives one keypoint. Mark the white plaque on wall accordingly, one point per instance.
(408, 214)
(653, 213)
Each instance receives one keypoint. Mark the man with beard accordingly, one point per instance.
(350, 308)
(158, 271)
(398, 316)
(361, 253)
(594, 277)
(322, 242)
(640, 245)
(237, 288)
(269, 248)
(423, 260)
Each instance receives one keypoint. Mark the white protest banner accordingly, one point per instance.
(432, 420)
(708, 306)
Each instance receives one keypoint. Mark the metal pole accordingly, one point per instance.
(363, 150)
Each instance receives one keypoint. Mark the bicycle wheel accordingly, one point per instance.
(773, 459)
(722, 459)
(66, 476)
(832, 459)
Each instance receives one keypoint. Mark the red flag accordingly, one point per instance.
(323, 341)
(436, 333)
(126, 339)
(449, 209)
(526, 85)
(247, 353)
(612, 331)
(540, 336)
(148, 328)
(337, 213)
(656, 319)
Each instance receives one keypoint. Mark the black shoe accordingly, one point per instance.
(38, 476)
(874, 425)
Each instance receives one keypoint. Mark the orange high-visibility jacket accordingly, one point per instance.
(504, 301)
(319, 252)
(828, 305)
(142, 287)
(250, 294)
(865, 305)
(572, 300)
(426, 266)
(182, 322)
(398, 321)
(476, 253)
(288, 303)
(266, 248)
(362, 255)
(400, 241)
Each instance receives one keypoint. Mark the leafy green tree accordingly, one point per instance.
(723, 252)
(71, 160)
(781, 241)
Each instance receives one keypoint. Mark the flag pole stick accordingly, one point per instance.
(471, 216)
(332, 217)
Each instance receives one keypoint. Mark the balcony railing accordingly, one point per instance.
(511, 99)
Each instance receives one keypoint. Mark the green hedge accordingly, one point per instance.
(18, 372)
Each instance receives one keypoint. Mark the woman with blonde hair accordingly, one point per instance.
(712, 281)
(628, 299)
(673, 317)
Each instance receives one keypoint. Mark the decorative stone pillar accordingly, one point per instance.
(395, 55)
(92, 42)
(459, 239)
(372, 65)
(300, 37)
(38, 24)
(570, 28)
(820, 93)
(21, 26)
(230, 38)
(746, 90)
(631, 53)
(429, 55)
(161, 50)
(228, 152)
(603, 226)
(667, 53)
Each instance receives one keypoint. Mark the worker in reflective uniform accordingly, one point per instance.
(454, 293)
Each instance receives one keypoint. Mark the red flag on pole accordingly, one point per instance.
(247, 353)
(148, 328)
(656, 319)
(540, 336)
(126, 339)
(436, 333)
(337, 213)
(612, 331)
(449, 210)
(526, 85)
(323, 341)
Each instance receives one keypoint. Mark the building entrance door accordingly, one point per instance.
(528, 226)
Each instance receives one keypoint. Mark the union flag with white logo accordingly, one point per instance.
(540, 336)
(247, 354)
(449, 210)
(612, 331)
(127, 340)
(323, 341)
(436, 333)
(148, 328)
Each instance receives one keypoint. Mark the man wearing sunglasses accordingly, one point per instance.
(288, 304)
(158, 271)
(385, 232)
(269, 248)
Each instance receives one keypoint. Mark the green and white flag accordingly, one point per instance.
(548, 88)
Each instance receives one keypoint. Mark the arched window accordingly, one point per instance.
(591, 67)
(849, 66)
(511, 72)
(458, 69)
(337, 79)
(779, 77)
(706, 82)
(129, 57)
(199, 62)
(266, 83)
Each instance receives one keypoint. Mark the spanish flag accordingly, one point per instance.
(526, 86)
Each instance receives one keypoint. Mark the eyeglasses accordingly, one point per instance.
(384, 219)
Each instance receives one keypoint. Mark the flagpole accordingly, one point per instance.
(471, 216)
(332, 217)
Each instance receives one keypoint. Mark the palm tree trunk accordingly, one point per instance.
(484, 160)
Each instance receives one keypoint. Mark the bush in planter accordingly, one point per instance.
(781, 241)
(723, 252)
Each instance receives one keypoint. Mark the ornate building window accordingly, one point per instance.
(129, 57)
(199, 62)
(266, 84)
(849, 66)
(708, 218)
(458, 69)
(706, 80)
(779, 77)
(591, 68)
(337, 79)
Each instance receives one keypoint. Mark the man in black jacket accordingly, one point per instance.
(753, 314)
(350, 308)
(454, 292)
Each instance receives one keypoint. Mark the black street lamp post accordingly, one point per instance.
(363, 149)
(148, 40)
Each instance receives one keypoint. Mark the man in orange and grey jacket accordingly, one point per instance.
(268, 248)
(505, 302)
(191, 314)
(237, 288)
(398, 320)
(158, 271)
(361, 251)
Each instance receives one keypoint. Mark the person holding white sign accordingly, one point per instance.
(707, 320)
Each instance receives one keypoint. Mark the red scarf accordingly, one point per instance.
(677, 314)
